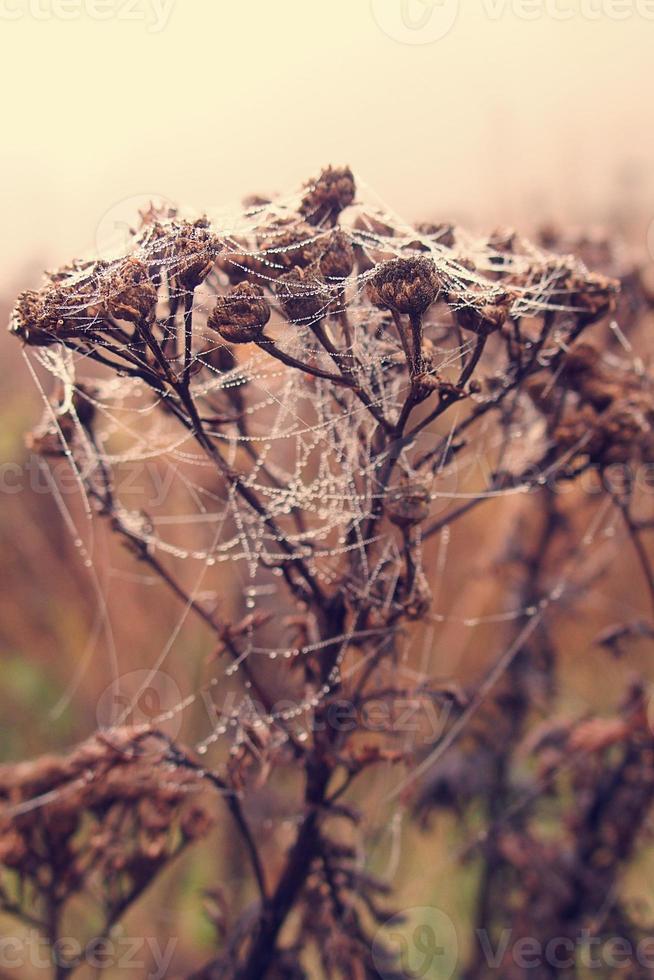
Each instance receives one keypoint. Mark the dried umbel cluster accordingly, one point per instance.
(107, 818)
(557, 887)
(596, 413)
(324, 368)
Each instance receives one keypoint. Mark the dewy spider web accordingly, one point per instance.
(309, 422)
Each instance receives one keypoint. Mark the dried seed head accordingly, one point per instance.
(241, 315)
(328, 195)
(129, 294)
(61, 309)
(595, 295)
(287, 244)
(407, 504)
(240, 263)
(481, 312)
(187, 250)
(302, 295)
(586, 374)
(33, 322)
(627, 432)
(404, 285)
(337, 259)
(195, 249)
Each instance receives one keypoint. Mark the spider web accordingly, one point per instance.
(306, 449)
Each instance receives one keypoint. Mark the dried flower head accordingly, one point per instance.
(302, 295)
(595, 296)
(114, 807)
(326, 197)
(63, 308)
(36, 322)
(241, 315)
(481, 311)
(287, 243)
(586, 374)
(129, 293)
(337, 258)
(239, 262)
(188, 249)
(404, 285)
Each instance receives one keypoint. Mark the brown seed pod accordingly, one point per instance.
(287, 244)
(481, 313)
(595, 296)
(67, 306)
(302, 295)
(240, 263)
(328, 195)
(404, 285)
(626, 430)
(195, 248)
(241, 315)
(585, 373)
(186, 250)
(34, 322)
(337, 259)
(407, 504)
(128, 294)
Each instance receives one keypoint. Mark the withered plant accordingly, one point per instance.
(316, 374)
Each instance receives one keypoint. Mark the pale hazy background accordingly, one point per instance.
(503, 119)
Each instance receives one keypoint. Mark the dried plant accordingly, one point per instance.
(326, 369)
